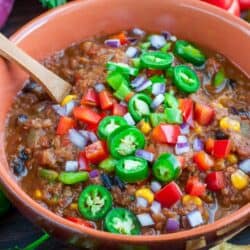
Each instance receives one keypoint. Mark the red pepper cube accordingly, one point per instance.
(215, 181)
(169, 195)
(209, 145)
(195, 187)
(187, 109)
(64, 125)
(224, 4)
(83, 162)
(153, 72)
(119, 109)
(203, 114)
(122, 37)
(80, 221)
(106, 100)
(221, 148)
(90, 98)
(165, 133)
(87, 115)
(96, 152)
(203, 161)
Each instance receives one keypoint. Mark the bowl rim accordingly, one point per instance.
(16, 191)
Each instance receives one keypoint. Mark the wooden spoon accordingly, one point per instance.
(55, 86)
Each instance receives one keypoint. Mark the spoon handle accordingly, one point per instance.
(55, 86)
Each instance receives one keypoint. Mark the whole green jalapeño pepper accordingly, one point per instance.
(156, 60)
(122, 221)
(132, 169)
(186, 79)
(123, 68)
(109, 124)
(4, 204)
(139, 106)
(94, 202)
(166, 168)
(189, 53)
(125, 140)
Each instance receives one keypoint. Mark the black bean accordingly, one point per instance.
(119, 183)
(29, 87)
(232, 83)
(106, 180)
(22, 118)
(18, 166)
(220, 135)
(23, 155)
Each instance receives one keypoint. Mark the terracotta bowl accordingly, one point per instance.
(76, 21)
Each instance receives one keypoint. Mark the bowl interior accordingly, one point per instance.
(74, 22)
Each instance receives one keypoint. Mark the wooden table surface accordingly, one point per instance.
(16, 230)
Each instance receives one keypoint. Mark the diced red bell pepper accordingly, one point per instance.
(129, 96)
(90, 98)
(234, 9)
(64, 125)
(169, 195)
(181, 160)
(119, 109)
(203, 160)
(203, 114)
(244, 4)
(221, 148)
(224, 4)
(187, 108)
(83, 162)
(165, 133)
(86, 114)
(195, 187)
(215, 181)
(122, 37)
(96, 152)
(94, 127)
(106, 100)
(153, 72)
(80, 221)
(209, 145)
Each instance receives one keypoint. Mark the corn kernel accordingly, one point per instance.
(239, 179)
(232, 158)
(190, 199)
(73, 206)
(145, 193)
(68, 99)
(145, 127)
(197, 128)
(227, 123)
(38, 194)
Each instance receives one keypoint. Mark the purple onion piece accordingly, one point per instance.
(155, 207)
(60, 110)
(143, 86)
(132, 40)
(138, 32)
(185, 129)
(84, 133)
(166, 35)
(94, 173)
(158, 88)
(77, 139)
(145, 219)
(69, 107)
(132, 52)
(194, 218)
(157, 41)
(129, 119)
(172, 225)
(71, 166)
(198, 144)
(5, 9)
(139, 80)
(148, 156)
(245, 166)
(158, 100)
(182, 145)
(141, 202)
(99, 87)
(155, 186)
(114, 43)
(93, 137)
(123, 103)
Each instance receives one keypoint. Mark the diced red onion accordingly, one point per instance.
(84, 133)
(155, 186)
(182, 145)
(157, 41)
(132, 40)
(92, 137)
(166, 35)
(138, 32)
(114, 43)
(123, 103)
(145, 220)
(60, 110)
(139, 80)
(158, 100)
(172, 225)
(71, 166)
(141, 202)
(69, 107)
(143, 86)
(245, 166)
(128, 117)
(99, 87)
(198, 144)
(148, 156)
(194, 218)
(94, 173)
(131, 52)
(77, 138)
(156, 207)
(173, 39)
(158, 88)
(185, 129)
(5, 9)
